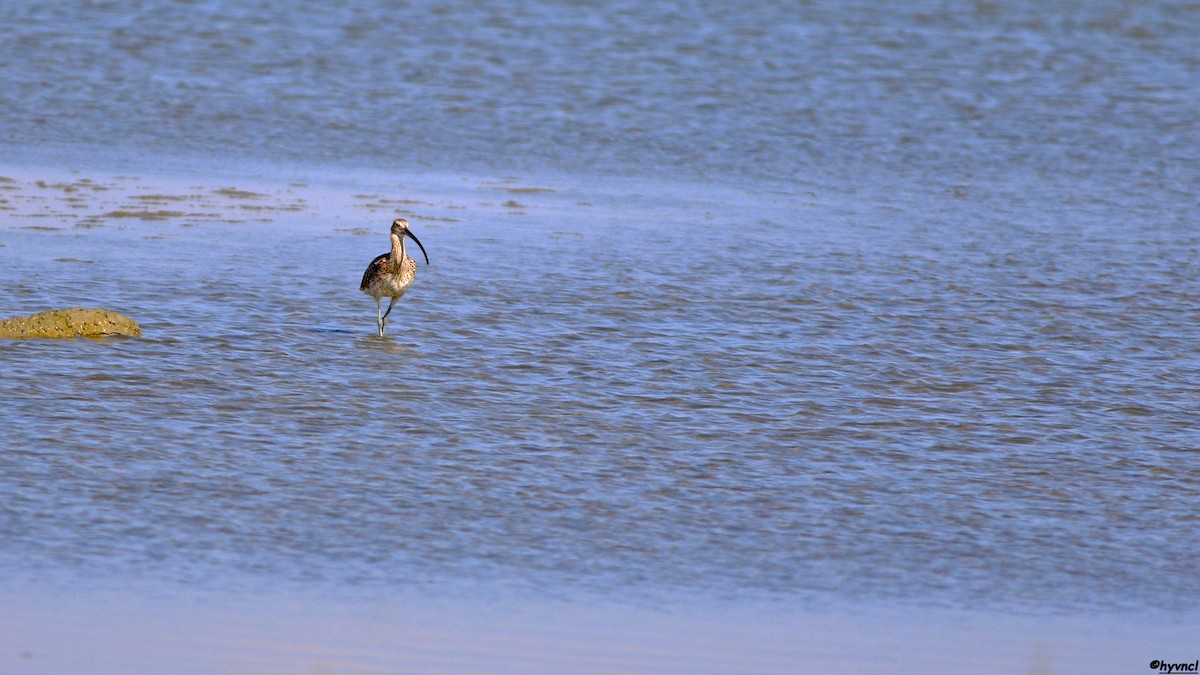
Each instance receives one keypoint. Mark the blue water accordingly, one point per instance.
(806, 302)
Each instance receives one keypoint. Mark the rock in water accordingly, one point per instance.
(65, 323)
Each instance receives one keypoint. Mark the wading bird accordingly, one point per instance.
(390, 274)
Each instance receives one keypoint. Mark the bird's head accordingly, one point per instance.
(400, 230)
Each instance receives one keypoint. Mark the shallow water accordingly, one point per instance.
(1086, 93)
(804, 304)
(579, 394)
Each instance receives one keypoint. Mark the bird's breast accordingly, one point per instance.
(389, 278)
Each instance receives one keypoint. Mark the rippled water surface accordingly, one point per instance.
(748, 394)
(801, 303)
(768, 90)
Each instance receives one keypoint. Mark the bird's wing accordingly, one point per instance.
(371, 271)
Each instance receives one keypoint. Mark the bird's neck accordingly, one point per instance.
(398, 253)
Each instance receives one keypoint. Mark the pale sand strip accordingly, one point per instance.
(106, 632)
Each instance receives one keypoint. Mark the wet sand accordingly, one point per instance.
(197, 633)
(55, 200)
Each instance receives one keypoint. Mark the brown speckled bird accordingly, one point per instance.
(391, 273)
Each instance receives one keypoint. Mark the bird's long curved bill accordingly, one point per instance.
(414, 238)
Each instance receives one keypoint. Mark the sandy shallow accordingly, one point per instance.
(202, 633)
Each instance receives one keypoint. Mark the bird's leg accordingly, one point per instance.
(379, 316)
(385, 314)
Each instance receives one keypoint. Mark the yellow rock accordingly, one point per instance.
(74, 322)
